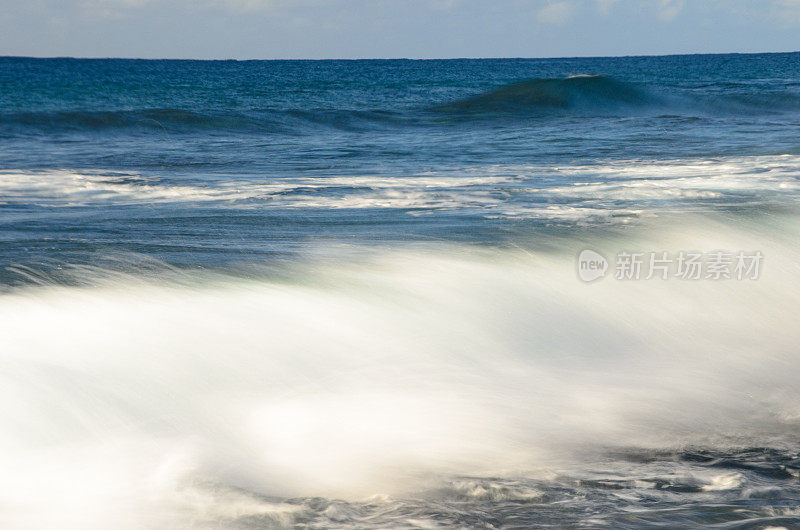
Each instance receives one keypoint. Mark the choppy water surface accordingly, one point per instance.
(327, 294)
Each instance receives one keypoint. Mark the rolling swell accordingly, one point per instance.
(145, 119)
(581, 95)
(598, 95)
(588, 93)
(185, 121)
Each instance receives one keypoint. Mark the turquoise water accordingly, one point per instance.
(327, 294)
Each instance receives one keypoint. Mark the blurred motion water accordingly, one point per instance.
(326, 294)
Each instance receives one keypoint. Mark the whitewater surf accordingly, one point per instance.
(401, 294)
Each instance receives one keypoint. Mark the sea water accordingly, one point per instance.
(327, 294)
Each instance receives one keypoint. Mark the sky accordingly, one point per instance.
(320, 29)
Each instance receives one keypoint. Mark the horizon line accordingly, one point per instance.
(99, 58)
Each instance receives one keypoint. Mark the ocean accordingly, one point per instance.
(500, 293)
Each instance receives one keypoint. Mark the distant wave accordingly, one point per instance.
(582, 91)
(601, 95)
(182, 121)
(584, 95)
(89, 120)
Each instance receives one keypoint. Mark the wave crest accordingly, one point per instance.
(583, 91)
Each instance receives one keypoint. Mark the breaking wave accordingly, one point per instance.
(217, 400)
(584, 92)
(601, 95)
(584, 95)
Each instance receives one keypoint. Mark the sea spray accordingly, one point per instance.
(379, 375)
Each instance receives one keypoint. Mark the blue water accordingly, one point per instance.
(342, 293)
(302, 124)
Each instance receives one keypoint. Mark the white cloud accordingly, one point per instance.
(605, 6)
(669, 9)
(250, 5)
(111, 9)
(113, 4)
(556, 12)
(444, 5)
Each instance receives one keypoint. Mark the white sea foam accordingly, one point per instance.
(586, 191)
(155, 404)
(727, 481)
